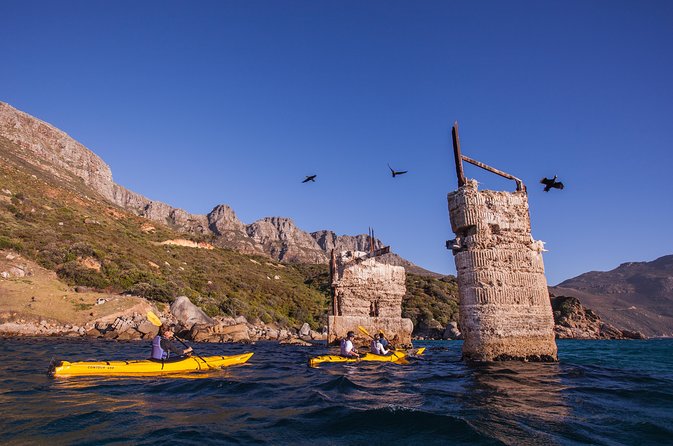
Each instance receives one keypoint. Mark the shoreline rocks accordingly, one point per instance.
(137, 327)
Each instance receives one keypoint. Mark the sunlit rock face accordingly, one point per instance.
(368, 293)
(53, 150)
(505, 311)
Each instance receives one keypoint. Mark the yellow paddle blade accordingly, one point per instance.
(420, 351)
(364, 330)
(153, 318)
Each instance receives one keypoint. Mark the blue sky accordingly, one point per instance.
(201, 103)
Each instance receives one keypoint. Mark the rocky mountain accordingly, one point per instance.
(572, 320)
(636, 296)
(48, 148)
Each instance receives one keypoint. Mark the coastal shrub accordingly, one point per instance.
(82, 249)
(430, 299)
(50, 256)
(232, 306)
(211, 309)
(266, 317)
(74, 274)
(161, 291)
(8, 243)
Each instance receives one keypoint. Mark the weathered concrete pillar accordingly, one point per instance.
(505, 312)
(367, 293)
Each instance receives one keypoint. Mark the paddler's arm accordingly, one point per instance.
(169, 345)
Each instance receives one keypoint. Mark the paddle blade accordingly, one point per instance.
(420, 351)
(364, 330)
(153, 318)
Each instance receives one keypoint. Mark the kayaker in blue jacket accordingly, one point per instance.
(163, 345)
(383, 340)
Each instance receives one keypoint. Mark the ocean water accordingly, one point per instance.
(600, 392)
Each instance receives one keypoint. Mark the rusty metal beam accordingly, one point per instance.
(519, 183)
(457, 156)
(332, 274)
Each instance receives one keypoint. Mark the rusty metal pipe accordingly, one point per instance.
(519, 183)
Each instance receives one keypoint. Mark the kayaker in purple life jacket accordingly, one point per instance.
(347, 348)
(377, 347)
(163, 345)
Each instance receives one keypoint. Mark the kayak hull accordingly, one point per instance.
(397, 357)
(146, 367)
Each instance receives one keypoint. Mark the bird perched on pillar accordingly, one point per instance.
(396, 172)
(309, 178)
(551, 183)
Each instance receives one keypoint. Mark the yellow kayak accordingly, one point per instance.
(146, 367)
(397, 357)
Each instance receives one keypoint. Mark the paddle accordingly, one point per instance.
(154, 319)
(364, 330)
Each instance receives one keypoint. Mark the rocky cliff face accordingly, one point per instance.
(284, 241)
(574, 321)
(51, 149)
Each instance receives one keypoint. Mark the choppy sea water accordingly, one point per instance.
(601, 392)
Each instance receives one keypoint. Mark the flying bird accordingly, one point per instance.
(309, 178)
(549, 183)
(396, 172)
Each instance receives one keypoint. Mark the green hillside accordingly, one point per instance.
(65, 227)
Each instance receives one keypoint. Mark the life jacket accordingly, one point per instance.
(157, 351)
(343, 347)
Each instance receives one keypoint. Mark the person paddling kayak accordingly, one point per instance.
(377, 346)
(163, 345)
(347, 348)
(383, 340)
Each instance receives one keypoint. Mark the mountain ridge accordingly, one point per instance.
(51, 149)
(634, 295)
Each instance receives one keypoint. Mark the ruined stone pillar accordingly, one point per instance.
(367, 293)
(505, 312)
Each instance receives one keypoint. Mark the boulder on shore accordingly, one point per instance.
(189, 314)
(452, 331)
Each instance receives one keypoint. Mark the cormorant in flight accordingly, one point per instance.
(309, 178)
(395, 172)
(549, 183)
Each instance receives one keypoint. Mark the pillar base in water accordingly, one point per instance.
(505, 311)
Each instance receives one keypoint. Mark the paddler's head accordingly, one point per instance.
(350, 335)
(167, 331)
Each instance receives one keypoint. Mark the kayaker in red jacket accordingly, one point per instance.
(163, 345)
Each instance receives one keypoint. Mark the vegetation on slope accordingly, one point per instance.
(429, 301)
(62, 225)
(94, 244)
